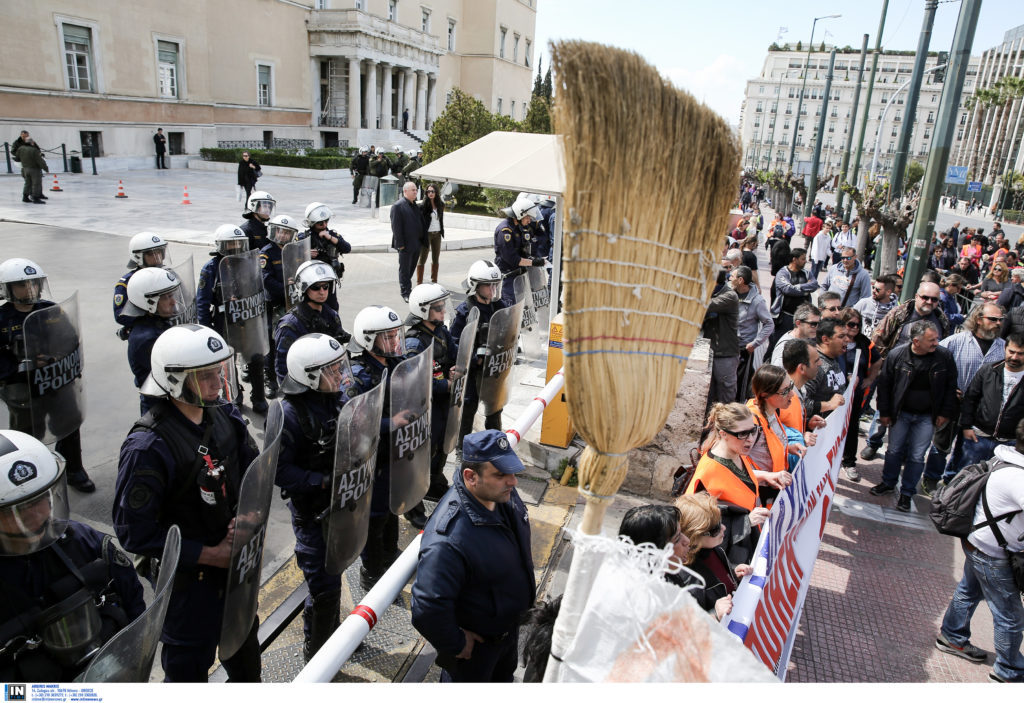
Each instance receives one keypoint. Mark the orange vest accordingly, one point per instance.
(793, 414)
(775, 446)
(723, 484)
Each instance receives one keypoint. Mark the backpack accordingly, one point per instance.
(779, 231)
(953, 504)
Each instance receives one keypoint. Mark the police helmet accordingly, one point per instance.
(156, 291)
(424, 296)
(282, 229)
(318, 362)
(317, 212)
(192, 364)
(397, 148)
(483, 272)
(33, 495)
(411, 153)
(145, 243)
(23, 281)
(262, 204)
(230, 239)
(364, 149)
(313, 272)
(524, 207)
(379, 330)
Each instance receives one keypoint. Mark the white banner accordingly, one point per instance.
(767, 605)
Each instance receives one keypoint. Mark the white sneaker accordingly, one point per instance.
(852, 473)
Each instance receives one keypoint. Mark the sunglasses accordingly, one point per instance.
(431, 192)
(320, 286)
(809, 323)
(993, 319)
(929, 298)
(847, 258)
(713, 530)
(744, 434)
(787, 390)
(853, 324)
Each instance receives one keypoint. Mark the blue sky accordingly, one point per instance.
(712, 48)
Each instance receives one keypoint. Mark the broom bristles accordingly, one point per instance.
(650, 175)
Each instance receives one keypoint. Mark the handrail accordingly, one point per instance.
(347, 638)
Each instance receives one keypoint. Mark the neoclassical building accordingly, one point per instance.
(104, 76)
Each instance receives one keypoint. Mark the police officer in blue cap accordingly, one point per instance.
(475, 575)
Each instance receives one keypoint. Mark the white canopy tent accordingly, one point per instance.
(511, 161)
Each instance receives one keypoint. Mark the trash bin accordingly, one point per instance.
(390, 190)
(76, 164)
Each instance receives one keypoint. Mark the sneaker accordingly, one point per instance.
(868, 453)
(852, 474)
(928, 486)
(903, 504)
(968, 651)
(993, 677)
(881, 489)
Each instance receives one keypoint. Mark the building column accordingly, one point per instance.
(431, 99)
(421, 100)
(385, 96)
(354, 112)
(370, 97)
(400, 94)
(410, 96)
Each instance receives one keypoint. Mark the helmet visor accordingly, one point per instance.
(487, 291)
(157, 256)
(279, 234)
(27, 292)
(439, 311)
(264, 208)
(227, 247)
(390, 342)
(211, 385)
(35, 522)
(336, 376)
(169, 302)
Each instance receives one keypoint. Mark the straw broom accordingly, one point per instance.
(640, 249)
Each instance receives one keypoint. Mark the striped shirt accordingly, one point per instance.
(968, 357)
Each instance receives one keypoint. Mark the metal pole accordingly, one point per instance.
(812, 187)
(92, 155)
(7, 153)
(800, 102)
(938, 158)
(775, 121)
(881, 124)
(851, 128)
(64, 153)
(867, 102)
(899, 162)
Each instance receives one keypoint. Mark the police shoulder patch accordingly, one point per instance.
(118, 299)
(263, 261)
(139, 497)
(508, 236)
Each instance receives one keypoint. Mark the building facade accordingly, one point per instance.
(101, 77)
(768, 123)
(994, 133)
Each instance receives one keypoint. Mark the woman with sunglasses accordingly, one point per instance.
(853, 322)
(994, 283)
(726, 471)
(701, 522)
(432, 210)
(773, 390)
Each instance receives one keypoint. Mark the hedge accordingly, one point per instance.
(317, 159)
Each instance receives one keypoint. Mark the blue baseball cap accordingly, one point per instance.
(492, 446)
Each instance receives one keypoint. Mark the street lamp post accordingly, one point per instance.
(803, 87)
(775, 118)
(881, 121)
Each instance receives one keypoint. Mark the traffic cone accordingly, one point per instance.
(56, 185)
(186, 201)
(120, 190)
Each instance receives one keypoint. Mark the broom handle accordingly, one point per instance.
(593, 514)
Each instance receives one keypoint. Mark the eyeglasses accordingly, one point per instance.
(847, 258)
(992, 319)
(320, 286)
(787, 390)
(831, 309)
(928, 298)
(713, 530)
(744, 434)
(810, 323)
(851, 323)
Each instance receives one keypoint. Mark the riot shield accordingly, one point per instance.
(502, 334)
(539, 293)
(187, 275)
(458, 379)
(409, 444)
(127, 657)
(294, 254)
(245, 304)
(53, 351)
(355, 458)
(243, 586)
(368, 191)
(521, 286)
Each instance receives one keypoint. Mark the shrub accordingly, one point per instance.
(279, 157)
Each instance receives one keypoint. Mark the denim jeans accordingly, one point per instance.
(989, 578)
(876, 432)
(982, 450)
(942, 443)
(909, 438)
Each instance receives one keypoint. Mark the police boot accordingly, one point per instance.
(71, 449)
(417, 516)
(259, 401)
(271, 384)
(419, 274)
(433, 272)
(321, 619)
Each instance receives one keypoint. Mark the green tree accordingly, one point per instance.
(913, 175)
(799, 46)
(822, 47)
(538, 86)
(547, 84)
(464, 120)
(538, 117)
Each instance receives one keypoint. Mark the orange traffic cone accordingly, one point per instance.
(186, 201)
(120, 190)
(56, 185)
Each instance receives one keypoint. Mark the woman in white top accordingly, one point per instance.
(432, 209)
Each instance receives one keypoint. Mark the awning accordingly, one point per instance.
(507, 160)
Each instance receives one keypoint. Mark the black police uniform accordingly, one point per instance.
(120, 300)
(512, 243)
(329, 253)
(210, 296)
(302, 320)
(472, 397)
(446, 351)
(49, 582)
(273, 284)
(360, 167)
(163, 475)
(255, 229)
(141, 338)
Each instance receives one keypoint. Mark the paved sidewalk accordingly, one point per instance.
(154, 200)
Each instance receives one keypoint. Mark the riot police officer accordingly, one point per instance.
(359, 167)
(512, 244)
(66, 588)
(24, 286)
(428, 307)
(414, 162)
(259, 208)
(483, 292)
(280, 230)
(227, 240)
(326, 245)
(316, 280)
(318, 375)
(147, 249)
(154, 298)
(377, 336)
(400, 161)
(182, 464)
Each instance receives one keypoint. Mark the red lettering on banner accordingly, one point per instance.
(824, 515)
(776, 611)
